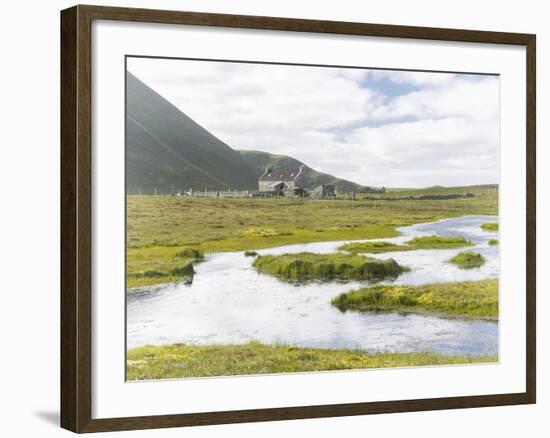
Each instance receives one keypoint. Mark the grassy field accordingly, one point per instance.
(180, 360)
(160, 227)
(472, 298)
(167, 236)
(309, 266)
(436, 190)
(468, 260)
(424, 242)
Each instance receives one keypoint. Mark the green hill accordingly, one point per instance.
(260, 160)
(166, 149)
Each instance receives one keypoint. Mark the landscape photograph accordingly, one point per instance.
(286, 218)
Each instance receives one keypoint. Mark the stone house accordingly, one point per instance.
(324, 191)
(284, 180)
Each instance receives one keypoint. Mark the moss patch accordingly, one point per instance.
(472, 298)
(191, 253)
(309, 266)
(438, 242)
(468, 260)
(374, 247)
(151, 276)
(425, 242)
(180, 360)
(490, 226)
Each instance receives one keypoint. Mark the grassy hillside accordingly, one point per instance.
(165, 148)
(260, 160)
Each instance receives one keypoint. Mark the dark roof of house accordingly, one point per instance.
(280, 174)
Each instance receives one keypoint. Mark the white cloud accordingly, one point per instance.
(474, 99)
(414, 77)
(372, 127)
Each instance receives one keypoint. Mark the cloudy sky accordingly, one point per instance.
(374, 127)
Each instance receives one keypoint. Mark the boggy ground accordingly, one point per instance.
(160, 227)
(166, 233)
(181, 360)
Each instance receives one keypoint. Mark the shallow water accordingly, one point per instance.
(229, 303)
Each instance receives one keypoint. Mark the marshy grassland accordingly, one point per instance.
(467, 298)
(436, 190)
(468, 260)
(423, 242)
(161, 227)
(160, 264)
(168, 235)
(181, 360)
(309, 266)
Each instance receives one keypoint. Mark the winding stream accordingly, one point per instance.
(229, 303)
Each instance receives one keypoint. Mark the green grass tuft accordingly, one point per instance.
(191, 253)
(374, 247)
(438, 242)
(468, 260)
(184, 271)
(181, 360)
(309, 266)
(490, 226)
(153, 273)
(264, 232)
(472, 298)
(426, 242)
(152, 276)
(493, 242)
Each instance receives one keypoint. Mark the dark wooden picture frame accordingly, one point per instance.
(76, 218)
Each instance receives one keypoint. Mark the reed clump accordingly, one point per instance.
(310, 266)
(468, 260)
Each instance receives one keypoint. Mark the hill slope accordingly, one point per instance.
(260, 160)
(168, 151)
(165, 148)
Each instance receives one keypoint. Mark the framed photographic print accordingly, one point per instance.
(270, 218)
